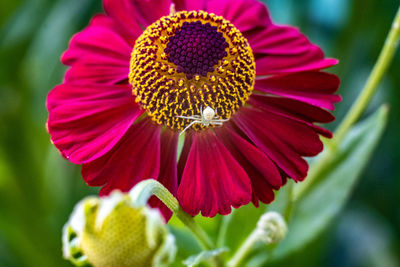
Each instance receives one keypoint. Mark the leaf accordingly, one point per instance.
(41, 63)
(313, 213)
(186, 242)
(203, 256)
(242, 223)
(37, 191)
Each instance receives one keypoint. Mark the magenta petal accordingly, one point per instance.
(263, 173)
(184, 154)
(168, 169)
(291, 108)
(324, 132)
(246, 15)
(212, 181)
(295, 134)
(85, 122)
(134, 14)
(182, 5)
(262, 191)
(98, 44)
(123, 13)
(136, 157)
(248, 155)
(102, 20)
(283, 49)
(295, 110)
(315, 88)
(284, 141)
(99, 54)
(89, 73)
(268, 65)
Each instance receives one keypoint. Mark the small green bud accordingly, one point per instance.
(271, 228)
(114, 232)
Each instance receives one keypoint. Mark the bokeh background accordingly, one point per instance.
(38, 188)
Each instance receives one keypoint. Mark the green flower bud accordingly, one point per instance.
(114, 232)
(271, 228)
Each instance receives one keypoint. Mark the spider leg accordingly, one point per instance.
(190, 124)
(216, 123)
(195, 117)
(218, 118)
(221, 120)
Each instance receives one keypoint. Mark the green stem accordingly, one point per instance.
(385, 58)
(224, 229)
(290, 203)
(244, 249)
(188, 220)
(141, 193)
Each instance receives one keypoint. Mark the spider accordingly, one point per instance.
(206, 117)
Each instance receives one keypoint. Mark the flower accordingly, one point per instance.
(246, 92)
(114, 231)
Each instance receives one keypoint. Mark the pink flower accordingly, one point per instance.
(248, 91)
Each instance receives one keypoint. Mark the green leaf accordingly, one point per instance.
(242, 223)
(316, 209)
(41, 63)
(203, 256)
(186, 242)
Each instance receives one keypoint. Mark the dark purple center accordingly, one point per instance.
(196, 48)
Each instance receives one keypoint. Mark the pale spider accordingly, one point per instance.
(206, 117)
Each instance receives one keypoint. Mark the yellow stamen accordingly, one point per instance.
(174, 77)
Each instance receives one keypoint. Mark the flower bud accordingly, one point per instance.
(271, 228)
(114, 232)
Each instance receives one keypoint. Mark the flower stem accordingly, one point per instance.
(290, 203)
(385, 58)
(203, 238)
(271, 229)
(244, 249)
(141, 193)
(381, 66)
(224, 229)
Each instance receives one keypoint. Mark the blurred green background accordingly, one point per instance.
(38, 188)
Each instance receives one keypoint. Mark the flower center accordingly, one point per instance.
(191, 69)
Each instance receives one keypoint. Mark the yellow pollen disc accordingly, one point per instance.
(188, 61)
